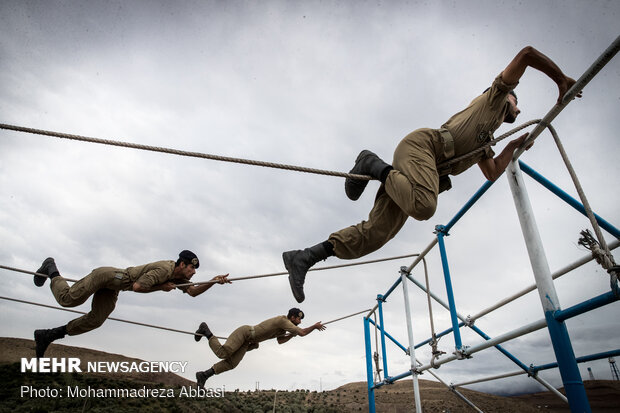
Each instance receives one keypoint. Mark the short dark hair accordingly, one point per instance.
(295, 312)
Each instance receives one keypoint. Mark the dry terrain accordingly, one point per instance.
(604, 396)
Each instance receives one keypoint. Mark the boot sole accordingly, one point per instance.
(298, 293)
(39, 280)
(200, 333)
(354, 188)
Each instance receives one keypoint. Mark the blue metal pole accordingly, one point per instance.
(383, 352)
(441, 232)
(469, 204)
(369, 376)
(583, 359)
(388, 292)
(584, 307)
(564, 354)
(567, 198)
(400, 376)
(403, 348)
(501, 349)
(443, 333)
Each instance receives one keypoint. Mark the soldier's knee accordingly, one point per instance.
(223, 352)
(423, 212)
(96, 322)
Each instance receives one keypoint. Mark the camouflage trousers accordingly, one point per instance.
(410, 190)
(103, 284)
(233, 350)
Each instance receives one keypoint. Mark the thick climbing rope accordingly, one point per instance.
(249, 277)
(145, 324)
(436, 353)
(600, 250)
(4, 267)
(111, 142)
(180, 152)
(109, 318)
(448, 163)
(274, 274)
(604, 258)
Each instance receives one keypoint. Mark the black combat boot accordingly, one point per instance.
(202, 376)
(203, 330)
(298, 263)
(48, 268)
(43, 338)
(367, 163)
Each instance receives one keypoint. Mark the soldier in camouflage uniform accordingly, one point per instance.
(246, 338)
(104, 284)
(411, 185)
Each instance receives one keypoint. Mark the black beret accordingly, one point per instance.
(295, 312)
(189, 257)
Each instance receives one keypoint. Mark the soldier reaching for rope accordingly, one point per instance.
(411, 185)
(104, 284)
(246, 338)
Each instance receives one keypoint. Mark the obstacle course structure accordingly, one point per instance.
(554, 317)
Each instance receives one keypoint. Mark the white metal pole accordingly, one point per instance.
(537, 325)
(414, 374)
(490, 378)
(565, 356)
(455, 391)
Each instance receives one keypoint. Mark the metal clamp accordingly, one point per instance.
(461, 353)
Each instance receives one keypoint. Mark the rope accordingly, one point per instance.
(4, 267)
(329, 267)
(111, 142)
(600, 250)
(579, 188)
(109, 318)
(181, 153)
(447, 164)
(346, 316)
(604, 258)
(145, 324)
(249, 277)
(434, 341)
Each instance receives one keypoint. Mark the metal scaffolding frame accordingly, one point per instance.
(554, 317)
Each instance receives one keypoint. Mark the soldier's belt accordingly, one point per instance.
(448, 143)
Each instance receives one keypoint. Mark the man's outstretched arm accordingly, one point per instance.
(529, 56)
(195, 290)
(493, 168)
(304, 332)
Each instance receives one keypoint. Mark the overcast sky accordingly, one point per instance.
(304, 83)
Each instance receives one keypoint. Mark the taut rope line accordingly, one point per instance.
(487, 145)
(249, 277)
(181, 153)
(111, 142)
(145, 324)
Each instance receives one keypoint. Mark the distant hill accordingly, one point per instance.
(13, 349)
(398, 397)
